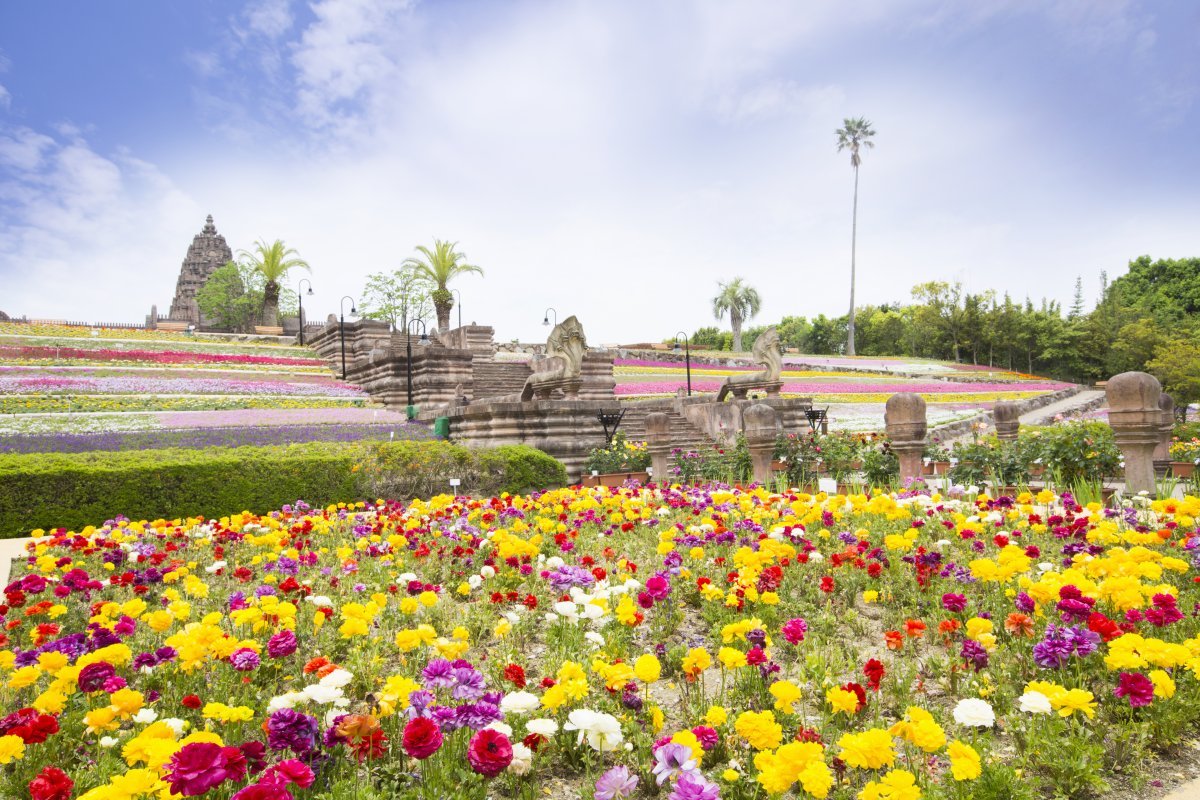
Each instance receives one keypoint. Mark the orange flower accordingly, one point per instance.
(894, 640)
(947, 627)
(914, 628)
(1019, 624)
(357, 727)
(315, 664)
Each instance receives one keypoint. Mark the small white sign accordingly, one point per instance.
(827, 485)
(455, 482)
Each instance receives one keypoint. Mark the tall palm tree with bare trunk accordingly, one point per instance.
(740, 301)
(273, 261)
(439, 266)
(854, 134)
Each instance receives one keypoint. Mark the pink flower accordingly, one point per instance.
(290, 771)
(422, 738)
(794, 630)
(264, 791)
(200, 766)
(489, 753)
(1137, 687)
(658, 587)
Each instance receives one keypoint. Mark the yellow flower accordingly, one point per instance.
(51, 701)
(12, 748)
(786, 694)
(1164, 686)
(842, 700)
(716, 716)
(760, 729)
(870, 749)
(127, 702)
(1074, 700)
(731, 658)
(101, 719)
(964, 761)
(921, 729)
(899, 784)
(25, 676)
(52, 661)
(657, 718)
(647, 668)
(696, 661)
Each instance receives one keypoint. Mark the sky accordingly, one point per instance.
(612, 159)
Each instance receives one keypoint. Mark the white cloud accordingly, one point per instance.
(5, 97)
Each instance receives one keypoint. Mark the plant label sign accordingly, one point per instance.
(827, 485)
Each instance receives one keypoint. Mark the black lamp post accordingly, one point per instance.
(300, 295)
(546, 316)
(687, 355)
(458, 295)
(342, 328)
(411, 410)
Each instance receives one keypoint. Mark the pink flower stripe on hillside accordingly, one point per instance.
(275, 416)
(137, 384)
(882, 363)
(152, 356)
(813, 388)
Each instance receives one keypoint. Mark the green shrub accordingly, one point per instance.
(74, 490)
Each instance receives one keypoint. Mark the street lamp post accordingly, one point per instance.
(411, 411)
(300, 295)
(687, 355)
(457, 294)
(546, 316)
(342, 328)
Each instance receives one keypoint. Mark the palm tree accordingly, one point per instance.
(741, 302)
(854, 133)
(440, 266)
(273, 261)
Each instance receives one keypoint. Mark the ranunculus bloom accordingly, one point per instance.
(200, 766)
(51, 784)
(281, 644)
(954, 602)
(93, 676)
(794, 630)
(489, 753)
(1135, 686)
(422, 738)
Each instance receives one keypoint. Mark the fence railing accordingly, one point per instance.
(77, 324)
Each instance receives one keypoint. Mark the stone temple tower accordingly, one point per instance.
(208, 252)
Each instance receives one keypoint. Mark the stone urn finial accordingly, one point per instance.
(1166, 427)
(1006, 414)
(1135, 417)
(904, 420)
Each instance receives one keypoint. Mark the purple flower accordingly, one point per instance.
(93, 677)
(244, 659)
(468, 684)
(954, 602)
(616, 784)
(674, 759)
(281, 644)
(419, 703)
(695, 788)
(1025, 603)
(438, 674)
(292, 730)
(973, 653)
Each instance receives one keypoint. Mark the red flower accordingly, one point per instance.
(516, 675)
(489, 753)
(874, 671)
(422, 738)
(827, 584)
(191, 701)
(32, 726)
(51, 784)
(859, 692)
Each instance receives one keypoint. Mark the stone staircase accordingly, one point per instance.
(497, 378)
(684, 434)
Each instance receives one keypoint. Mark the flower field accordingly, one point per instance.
(66, 391)
(688, 643)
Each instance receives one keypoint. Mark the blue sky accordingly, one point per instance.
(610, 159)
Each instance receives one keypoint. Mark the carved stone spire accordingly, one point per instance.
(207, 252)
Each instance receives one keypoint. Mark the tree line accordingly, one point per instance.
(1147, 319)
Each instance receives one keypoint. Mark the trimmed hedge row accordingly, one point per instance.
(73, 490)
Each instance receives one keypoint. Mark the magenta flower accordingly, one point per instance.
(794, 630)
(954, 602)
(1135, 686)
(244, 659)
(281, 644)
(201, 766)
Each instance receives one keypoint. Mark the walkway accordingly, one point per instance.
(9, 549)
(1046, 414)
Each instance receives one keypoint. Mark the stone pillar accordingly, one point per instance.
(658, 442)
(1162, 451)
(904, 419)
(761, 426)
(1135, 417)
(1007, 418)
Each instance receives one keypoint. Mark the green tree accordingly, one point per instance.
(943, 311)
(273, 261)
(396, 297)
(439, 266)
(793, 332)
(1177, 365)
(740, 301)
(232, 297)
(854, 134)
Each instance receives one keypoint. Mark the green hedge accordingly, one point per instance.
(48, 490)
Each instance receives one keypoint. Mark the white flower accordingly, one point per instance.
(594, 638)
(566, 608)
(1035, 703)
(109, 741)
(331, 716)
(554, 562)
(176, 724)
(474, 581)
(322, 694)
(542, 727)
(815, 558)
(287, 700)
(1045, 566)
(602, 731)
(499, 727)
(592, 611)
(406, 577)
(664, 512)
(974, 713)
(551, 618)
(519, 703)
(320, 601)
(487, 571)
(337, 679)
(522, 759)
(145, 716)
(215, 567)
